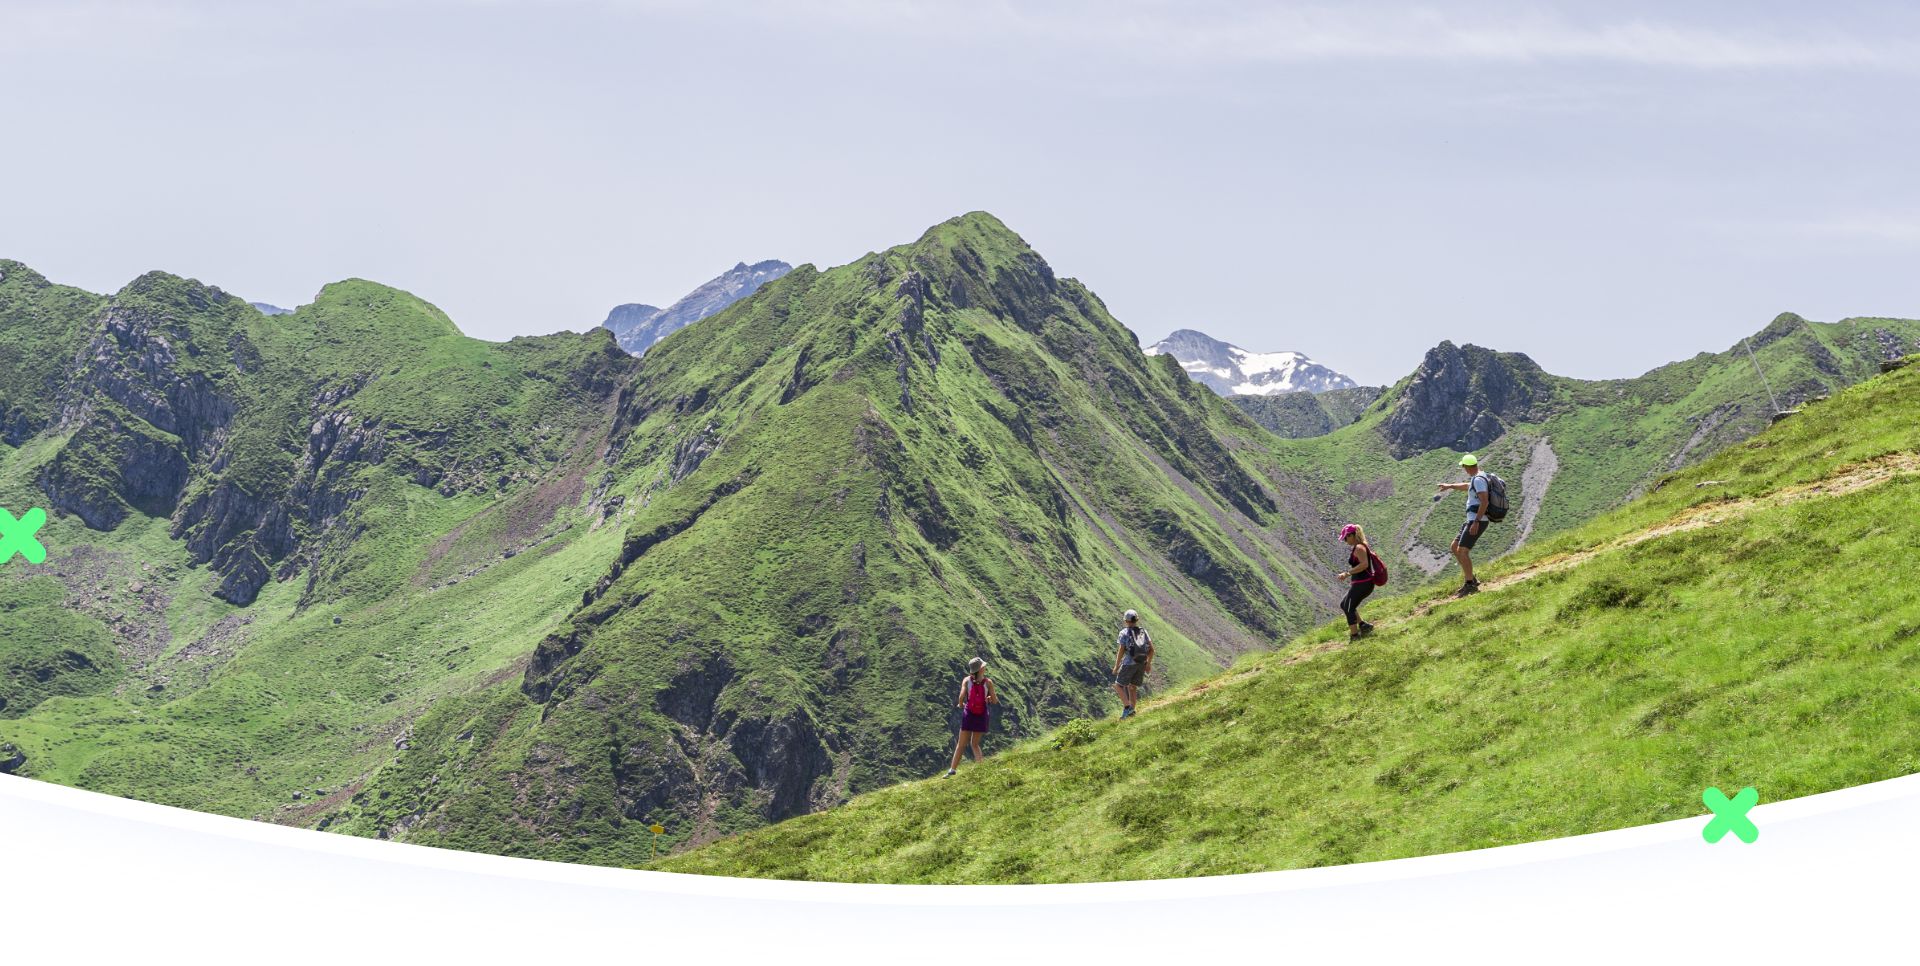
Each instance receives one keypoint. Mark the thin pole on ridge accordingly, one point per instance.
(1748, 342)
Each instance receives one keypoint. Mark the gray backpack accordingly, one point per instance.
(1496, 497)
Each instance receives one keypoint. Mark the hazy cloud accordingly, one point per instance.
(1309, 33)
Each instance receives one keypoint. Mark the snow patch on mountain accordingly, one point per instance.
(1230, 370)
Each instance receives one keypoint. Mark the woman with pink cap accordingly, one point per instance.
(1363, 571)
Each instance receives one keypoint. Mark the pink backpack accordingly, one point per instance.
(976, 697)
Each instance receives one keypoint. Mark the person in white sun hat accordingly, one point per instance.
(976, 692)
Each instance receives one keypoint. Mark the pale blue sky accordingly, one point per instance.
(1603, 186)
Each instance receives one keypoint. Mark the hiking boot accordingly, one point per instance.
(1366, 629)
(949, 773)
(1126, 712)
(1470, 587)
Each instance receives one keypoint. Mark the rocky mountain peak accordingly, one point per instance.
(637, 326)
(1464, 397)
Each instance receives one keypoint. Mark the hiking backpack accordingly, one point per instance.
(1376, 569)
(1496, 497)
(1137, 645)
(976, 696)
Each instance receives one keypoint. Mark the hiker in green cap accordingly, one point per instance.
(1477, 507)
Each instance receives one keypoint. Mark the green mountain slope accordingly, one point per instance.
(44, 325)
(1600, 681)
(277, 540)
(1303, 415)
(841, 489)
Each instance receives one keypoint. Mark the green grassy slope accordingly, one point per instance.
(44, 326)
(1303, 415)
(1750, 621)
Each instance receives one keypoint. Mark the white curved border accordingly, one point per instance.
(1829, 873)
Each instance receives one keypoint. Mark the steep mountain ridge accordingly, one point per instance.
(912, 457)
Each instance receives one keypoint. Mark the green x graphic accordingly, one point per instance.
(1730, 815)
(17, 536)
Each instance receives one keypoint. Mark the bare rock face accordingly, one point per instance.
(171, 410)
(147, 401)
(628, 323)
(1464, 397)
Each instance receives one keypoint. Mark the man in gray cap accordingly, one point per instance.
(1132, 662)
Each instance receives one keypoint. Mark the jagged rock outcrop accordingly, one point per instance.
(174, 410)
(113, 466)
(151, 395)
(1464, 397)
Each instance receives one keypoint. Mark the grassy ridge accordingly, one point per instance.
(44, 322)
(1593, 696)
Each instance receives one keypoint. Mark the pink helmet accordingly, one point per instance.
(1349, 530)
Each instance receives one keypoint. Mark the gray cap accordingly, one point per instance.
(1130, 616)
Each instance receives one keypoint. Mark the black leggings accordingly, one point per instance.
(1350, 604)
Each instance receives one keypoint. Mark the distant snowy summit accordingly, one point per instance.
(1232, 371)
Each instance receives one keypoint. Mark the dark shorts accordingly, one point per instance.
(1470, 533)
(973, 722)
(1350, 604)
(1132, 674)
